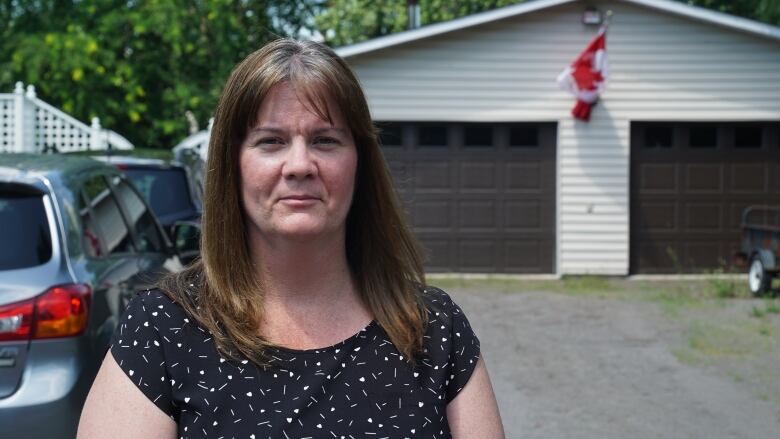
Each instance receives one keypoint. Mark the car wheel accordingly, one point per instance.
(758, 278)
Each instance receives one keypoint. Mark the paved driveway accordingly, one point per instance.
(580, 366)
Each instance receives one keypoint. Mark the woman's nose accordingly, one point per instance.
(299, 162)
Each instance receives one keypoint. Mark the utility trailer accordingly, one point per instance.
(760, 249)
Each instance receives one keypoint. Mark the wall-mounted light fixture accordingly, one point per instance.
(592, 17)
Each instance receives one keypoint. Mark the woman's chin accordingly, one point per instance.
(305, 231)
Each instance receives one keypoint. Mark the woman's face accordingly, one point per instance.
(297, 170)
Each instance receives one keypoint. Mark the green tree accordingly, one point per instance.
(344, 22)
(138, 65)
(767, 11)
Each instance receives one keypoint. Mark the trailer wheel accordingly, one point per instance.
(759, 280)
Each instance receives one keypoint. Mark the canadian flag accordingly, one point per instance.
(586, 77)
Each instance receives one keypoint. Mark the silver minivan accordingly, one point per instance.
(76, 242)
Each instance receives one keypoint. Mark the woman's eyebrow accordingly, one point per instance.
(269, 128)
(316, 131)
(326, 130)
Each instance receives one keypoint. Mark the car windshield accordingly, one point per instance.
(24, 231)
(165, 190)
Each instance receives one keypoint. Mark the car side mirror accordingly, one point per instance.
(186, 240)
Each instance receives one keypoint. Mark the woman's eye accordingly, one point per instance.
(326, 141)
(269, 141)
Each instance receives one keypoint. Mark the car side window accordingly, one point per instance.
(104, 230)
(148, 237)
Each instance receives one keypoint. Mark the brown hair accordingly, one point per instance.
(221, 290)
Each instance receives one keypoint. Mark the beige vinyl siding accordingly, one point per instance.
(662, 67)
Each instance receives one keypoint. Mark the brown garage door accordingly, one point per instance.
(481, 197)
(689, 185)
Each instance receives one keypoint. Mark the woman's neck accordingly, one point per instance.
(303, 272)
(310, 299)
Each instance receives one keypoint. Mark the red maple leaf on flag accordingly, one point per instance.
(586, 77)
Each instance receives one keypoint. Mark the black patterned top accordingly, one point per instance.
(361, 387)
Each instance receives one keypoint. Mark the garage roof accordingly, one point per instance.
(673, 7)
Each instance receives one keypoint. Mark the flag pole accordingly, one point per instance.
(607, 20)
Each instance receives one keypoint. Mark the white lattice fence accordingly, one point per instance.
(66, 134)
(6, 123)
(28, 124)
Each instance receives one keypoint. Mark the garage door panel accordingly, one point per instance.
(479, 207)
(703, 254)
(748, 178)
(774, 176)
(658, 178)
(523, 177)
(703, 217)
(477, 255)
(527, 256)
(433, 215)
(697, 228)
(478, 215)
(401, 176)
(734, 218)
(433, 176)
(478, 177)
(523, 215)
(658, 217)
(656, 256)
(438, 251)
(703, 178)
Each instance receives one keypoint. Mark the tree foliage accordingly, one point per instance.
(344, 22)
(767, 11)
(138, 65)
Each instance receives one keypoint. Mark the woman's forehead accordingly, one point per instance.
(284, 101)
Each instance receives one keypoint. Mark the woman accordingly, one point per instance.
(307, 315)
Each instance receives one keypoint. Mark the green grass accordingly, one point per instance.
(672, 295)
(742, 347)
(729, 287)
(597, 286)
(493, 283)
(733, 339)
(769, 307)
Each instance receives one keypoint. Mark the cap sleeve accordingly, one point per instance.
(136, 346)
(450, 329)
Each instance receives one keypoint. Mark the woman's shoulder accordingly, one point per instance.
(450, 345)
(155, 302)
(145, 343)
(154, 309)
(443, 313)
(437, 300)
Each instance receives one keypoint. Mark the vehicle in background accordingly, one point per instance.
(194, 161)
(172, 193)
(760, 247)
(78, 241)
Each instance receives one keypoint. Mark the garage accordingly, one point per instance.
(480, 196)
(690, 183)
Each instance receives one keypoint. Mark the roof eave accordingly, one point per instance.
(710, 16)
(682, 9)
(447, 26)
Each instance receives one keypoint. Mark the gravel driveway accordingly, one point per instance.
(581, 366)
